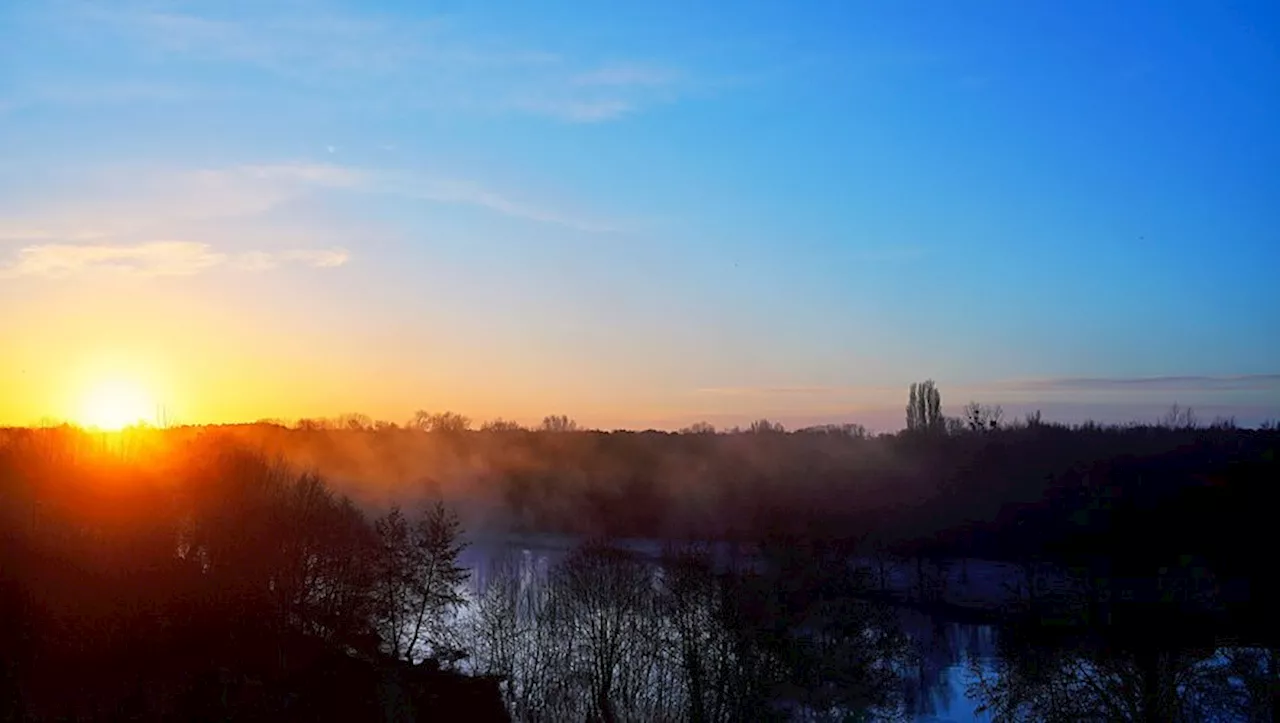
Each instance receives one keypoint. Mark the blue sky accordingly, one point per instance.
(656, 213)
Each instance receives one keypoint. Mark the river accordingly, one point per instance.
(951, 654)
(935, 688)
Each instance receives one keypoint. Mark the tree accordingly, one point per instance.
(418, 579)
(602, 600)
(980, 417)
(764, 426)
(442, 422)
(924, 408)
(501, 425)
(699, 428)
(438, 578)
(393, 565)
(1180, 418)
(850, 431)
(354, 421)
(558, 423)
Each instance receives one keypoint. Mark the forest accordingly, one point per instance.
(313, 571)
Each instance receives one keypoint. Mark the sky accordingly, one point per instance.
(640, 214)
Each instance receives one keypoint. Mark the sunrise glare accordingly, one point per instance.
(114, 403)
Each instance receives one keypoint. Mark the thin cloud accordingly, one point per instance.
(627, 74)
(258, 261)
(1245, 382)
(153, 204)
(325, 174)
(578, 110)
(473, 194)
(453, 69)
(28, 234)
(155, 259)
(135, 205)
(418, 185)
(1061, 385)
(286, 44)
(317, 258)
(604, 94)
(808, 395)
(773, 391)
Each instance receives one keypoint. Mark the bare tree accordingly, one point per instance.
(851, 431)
(393, 591)
(441, 422)
(558, 423)
(354, 421)
(419, 580)
(699, 428)
(980, 417)
(439, 577)
(1180, 418)
(764, 426)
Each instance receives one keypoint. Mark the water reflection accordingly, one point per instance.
(936, 677)
(596, 636)
(960, 673)
(1078, 679)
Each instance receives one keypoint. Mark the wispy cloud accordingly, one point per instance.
(140, 205)
(443, 63)
(775, 391)
(160, 258)
(421, 186)
(315, 258)
(445, 190)
(292, 44)
(627, 75)
(1050, 387)
(1246, 382)
(149, 204)
(605, 93)
(576, 110)
(324, 174)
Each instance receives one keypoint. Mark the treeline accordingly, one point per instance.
(962, 486)
(1170, 510)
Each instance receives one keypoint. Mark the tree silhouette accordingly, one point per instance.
(558, 423)
(418, 579)
(439, 422)
(924, 408)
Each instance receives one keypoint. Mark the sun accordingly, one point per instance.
(113, 404)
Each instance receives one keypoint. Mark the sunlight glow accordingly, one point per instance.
(113, 404)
